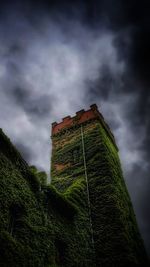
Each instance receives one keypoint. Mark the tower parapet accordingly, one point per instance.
(82, 116)
(86, 168)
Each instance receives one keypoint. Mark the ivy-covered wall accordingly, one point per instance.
(39, 227)
(52, 225)
(117, 241)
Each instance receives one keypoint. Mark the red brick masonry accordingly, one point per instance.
(81, 117)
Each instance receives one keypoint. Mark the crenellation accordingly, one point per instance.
(54, 124)
(66, 118)
(86, 168)
(82, 116)
(80, 112)
(94, 107)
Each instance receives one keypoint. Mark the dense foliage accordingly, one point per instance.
(39, 227)
(117, 241)
(116, 235)
(53, 225)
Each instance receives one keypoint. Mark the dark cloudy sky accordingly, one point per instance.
(57, 57)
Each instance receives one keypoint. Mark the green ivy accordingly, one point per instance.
(49, 225)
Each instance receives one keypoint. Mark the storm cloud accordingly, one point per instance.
(57, 57)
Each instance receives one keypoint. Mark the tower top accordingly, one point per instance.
(81, 117)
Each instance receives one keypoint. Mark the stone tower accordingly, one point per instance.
(85, 167)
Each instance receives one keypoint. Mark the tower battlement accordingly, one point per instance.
(85, 168)
(81, 117)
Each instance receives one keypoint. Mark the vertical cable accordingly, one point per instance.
(87, 184)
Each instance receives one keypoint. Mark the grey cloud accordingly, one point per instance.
(138, 184)
(37, 106)
(40, 106)
(20, 94)
(53, 66)
(24, 151)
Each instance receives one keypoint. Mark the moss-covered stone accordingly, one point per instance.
(54, 225)
(39, 227)
(117, 241)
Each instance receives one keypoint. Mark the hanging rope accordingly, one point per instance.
(87, 184)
